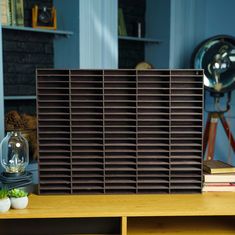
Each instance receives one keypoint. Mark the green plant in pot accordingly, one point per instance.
(5, 202)
(19, 198)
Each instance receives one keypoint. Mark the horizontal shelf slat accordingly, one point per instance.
(56, 32)
(139, 39)
(20, 97)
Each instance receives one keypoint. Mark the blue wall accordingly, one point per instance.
(98, 45)
(180, 24)
(157, 25)
(187, 30)
(66, 49)
(219, 17)
(220, 20)
(94, 43)
(212, 17)
(193, 21)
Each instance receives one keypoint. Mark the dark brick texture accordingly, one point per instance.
(23, 52)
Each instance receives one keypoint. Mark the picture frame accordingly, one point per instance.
(44, 17)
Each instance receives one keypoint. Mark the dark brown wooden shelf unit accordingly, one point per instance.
(120, 131)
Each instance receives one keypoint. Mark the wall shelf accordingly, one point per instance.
(147, 40)
(20, 97)
(56, 32)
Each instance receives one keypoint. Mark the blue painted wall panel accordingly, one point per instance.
(110, 34)
(90, 44)
(66, 49)
(157, 25)
(98, 34)
(219, 17)
(187, 30)
(94, 43)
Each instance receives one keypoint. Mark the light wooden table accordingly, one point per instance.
(208, 213)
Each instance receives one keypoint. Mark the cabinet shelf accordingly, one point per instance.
(180, 225)
(147, 40)
(20, 97)
(37, 30)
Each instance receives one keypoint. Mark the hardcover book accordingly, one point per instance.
(219, 188)
(121, 23)
(219, 178)
(215, 166)
(17, 12)
(5, 12)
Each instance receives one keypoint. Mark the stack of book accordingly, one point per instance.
(218, 176)
(5, 12)
(12, 12)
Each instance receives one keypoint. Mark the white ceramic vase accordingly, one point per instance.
(19, 203)
(5, 205)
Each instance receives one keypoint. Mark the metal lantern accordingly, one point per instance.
(14, 153)
(216, 56)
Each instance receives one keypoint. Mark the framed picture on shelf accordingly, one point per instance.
(44, 17)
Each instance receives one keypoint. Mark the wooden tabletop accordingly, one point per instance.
(72, 206)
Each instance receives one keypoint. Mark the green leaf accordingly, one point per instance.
(17, 193)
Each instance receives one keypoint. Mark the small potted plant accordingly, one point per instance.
(19, 198)
(5, 202)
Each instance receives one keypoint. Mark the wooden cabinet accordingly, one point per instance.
(208, 213)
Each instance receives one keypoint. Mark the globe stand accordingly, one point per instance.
(210, 133)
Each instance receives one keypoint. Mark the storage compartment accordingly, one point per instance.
(181, 225)
(95, 226)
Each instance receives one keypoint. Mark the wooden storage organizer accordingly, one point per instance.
(120, 131)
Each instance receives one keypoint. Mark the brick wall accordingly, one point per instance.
(131, 52)
(23, 52)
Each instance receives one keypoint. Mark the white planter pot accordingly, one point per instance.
(5, 205)
(19, 203)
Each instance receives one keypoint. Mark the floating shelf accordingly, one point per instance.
(148, 40)
(19, 97)
(56, 32)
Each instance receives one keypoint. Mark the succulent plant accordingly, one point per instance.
(3, 193)
(17, 193)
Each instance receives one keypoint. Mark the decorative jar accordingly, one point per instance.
(14, 153)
